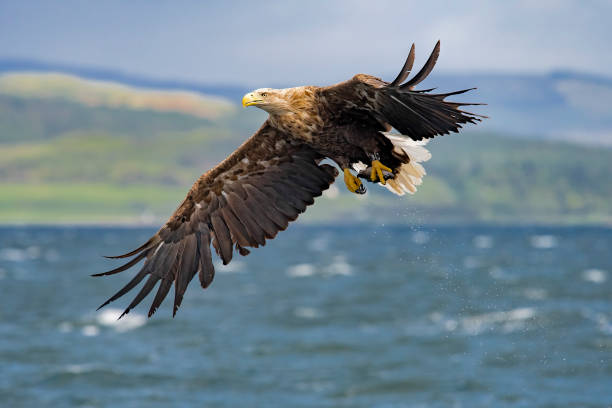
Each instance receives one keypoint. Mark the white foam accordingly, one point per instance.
(321, 243)
(602, 321)
(446, 323)
(535, 293)
(483, 241)
(450, 324)
(301, 270)
(339, 266)
(594, 275)
(306, 312)
(110, 318)
(511, 320)
(13, 255)
(543, 241)
(90, 330)
(498, 273)
(20, 255)
(78, 368)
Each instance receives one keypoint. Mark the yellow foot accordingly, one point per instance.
(377, 171)
(353, 183)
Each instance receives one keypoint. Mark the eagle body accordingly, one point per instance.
(312, 118)
(275, 174)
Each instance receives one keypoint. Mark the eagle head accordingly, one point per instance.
(271, 100)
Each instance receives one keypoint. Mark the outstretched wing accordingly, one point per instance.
(417, 114)
(250, 196)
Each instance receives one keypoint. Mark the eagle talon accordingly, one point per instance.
(366, 174)
(377, 171)
(353, 184)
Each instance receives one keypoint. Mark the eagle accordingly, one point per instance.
(275, 174)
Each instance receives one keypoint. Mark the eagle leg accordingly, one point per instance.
(367, 174)
(377, 172)
(353, 183)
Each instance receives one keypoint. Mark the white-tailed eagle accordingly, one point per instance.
(275, 174)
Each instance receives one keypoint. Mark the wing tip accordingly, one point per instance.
(425, 70)
(103, 304)
(406, 68)
(151, 242)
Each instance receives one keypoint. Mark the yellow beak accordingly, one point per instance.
(250, 99)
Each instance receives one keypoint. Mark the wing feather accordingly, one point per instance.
(239, 232)
(222, 240)
(188, 267)
(416, 114)
(403, 74)
(206, 269)
(144, 291)
(247, 218)
(426, 70)
(250, 196)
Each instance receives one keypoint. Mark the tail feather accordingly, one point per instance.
(410, 174)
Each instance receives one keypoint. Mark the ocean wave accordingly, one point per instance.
(339, 266)
(78, 368)
(65, 327)
(301, 270)
(510, 320)
(319, 244)
(543, 241)
(19, 255)
(483, 241)
(498, 273)
(306, 312)
(594, 275)
(601, 320)
(535, 293)
(471, 262)
(420, 237)
(110, 318)
(507, 321)
(90, 330)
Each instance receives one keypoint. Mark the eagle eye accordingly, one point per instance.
(264, 94)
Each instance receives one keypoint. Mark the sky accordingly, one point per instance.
(263, 43)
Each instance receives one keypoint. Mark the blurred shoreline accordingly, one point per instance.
(79, 152)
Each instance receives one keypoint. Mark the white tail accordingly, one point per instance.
(410, 174)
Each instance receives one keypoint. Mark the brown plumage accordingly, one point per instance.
(274, 175)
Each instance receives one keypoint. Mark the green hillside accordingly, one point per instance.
(64, 161)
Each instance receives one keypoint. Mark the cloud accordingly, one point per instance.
(257, 43)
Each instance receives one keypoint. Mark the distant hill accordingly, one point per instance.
(108, 94)
(559, 106)
(62, 160)
(233, 92)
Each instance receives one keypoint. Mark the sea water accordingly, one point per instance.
(365, 316)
